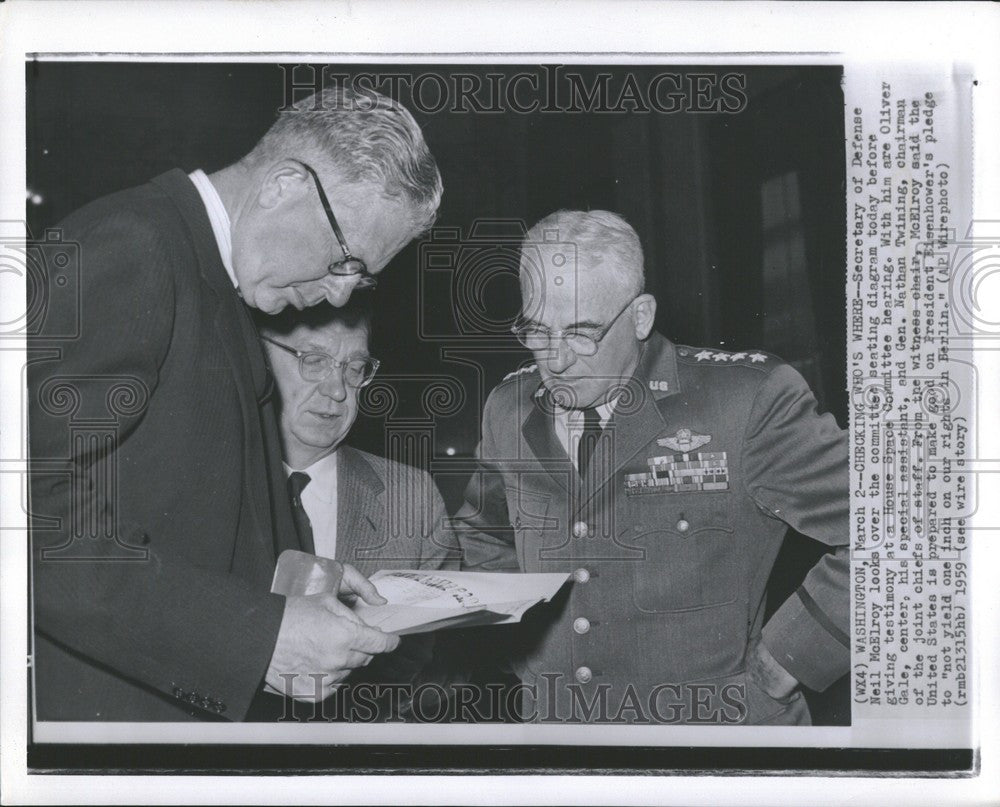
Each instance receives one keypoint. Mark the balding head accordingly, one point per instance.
(582, 273)
(608, 253)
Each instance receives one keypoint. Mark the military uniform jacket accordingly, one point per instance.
(671, 536)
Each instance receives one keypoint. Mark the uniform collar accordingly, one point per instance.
(575, 416)
(656, 373)
(657, 370)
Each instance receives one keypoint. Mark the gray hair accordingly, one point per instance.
(604, 242)
(365, 137)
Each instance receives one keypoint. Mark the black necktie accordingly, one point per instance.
(588, 439)
(297, 482)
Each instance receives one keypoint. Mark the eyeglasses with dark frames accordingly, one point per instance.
(315, 366)
(349, 266)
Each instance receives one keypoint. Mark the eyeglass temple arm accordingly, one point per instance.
(286, 348)
(329, 211)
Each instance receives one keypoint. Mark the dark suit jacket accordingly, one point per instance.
(709, 457)
(157, 498)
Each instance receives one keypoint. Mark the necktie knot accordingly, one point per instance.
(297, 482)
(591, 418)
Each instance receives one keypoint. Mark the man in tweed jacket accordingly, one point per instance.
(350, 505)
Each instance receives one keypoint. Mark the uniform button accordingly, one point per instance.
(581, 575)
(583, 675)
(581, 530)
(683, 526)
(581, 624)
(682, 352)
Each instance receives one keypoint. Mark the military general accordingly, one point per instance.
(662, 479)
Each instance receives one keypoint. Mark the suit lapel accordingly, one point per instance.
(360, 511)
(540, 435)
(238, 338)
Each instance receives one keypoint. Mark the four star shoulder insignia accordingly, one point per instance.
(724, 356)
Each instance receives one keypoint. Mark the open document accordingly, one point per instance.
(422, 601)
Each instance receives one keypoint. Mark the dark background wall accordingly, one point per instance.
(741, 216)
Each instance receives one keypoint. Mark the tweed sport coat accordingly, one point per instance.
(389, 516)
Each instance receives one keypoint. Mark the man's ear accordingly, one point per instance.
(282, 182)
(644, 312)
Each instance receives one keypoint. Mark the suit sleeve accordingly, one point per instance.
(795, 461)
(152, 618)
(482, 524)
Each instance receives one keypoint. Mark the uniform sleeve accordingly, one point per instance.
(795, 462)
(151, 618)
(482, 524)
(439, 548)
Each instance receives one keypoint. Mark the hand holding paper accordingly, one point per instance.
(419, 601)
(318, 632)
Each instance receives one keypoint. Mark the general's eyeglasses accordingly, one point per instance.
(581, 343)
(349, 266)
(315, 366)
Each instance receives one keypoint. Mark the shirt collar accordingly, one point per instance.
(605, 411)
(322, 477)
(218, 218)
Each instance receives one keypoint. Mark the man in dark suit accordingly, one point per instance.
(157, 500)
(664, 478)
(350, 505)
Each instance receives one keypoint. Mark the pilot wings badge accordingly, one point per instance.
(684, 441)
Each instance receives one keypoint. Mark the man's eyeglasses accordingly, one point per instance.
(314, 366)
(349, 266)
(582, 343)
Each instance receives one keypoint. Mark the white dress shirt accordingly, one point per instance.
(319, 498)
(218, 218)
(569, 425)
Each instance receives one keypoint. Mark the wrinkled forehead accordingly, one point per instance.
(337, 338)
(375, 226)
(559, 287)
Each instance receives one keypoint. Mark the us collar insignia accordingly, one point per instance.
(659, 386)
(684, 441)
